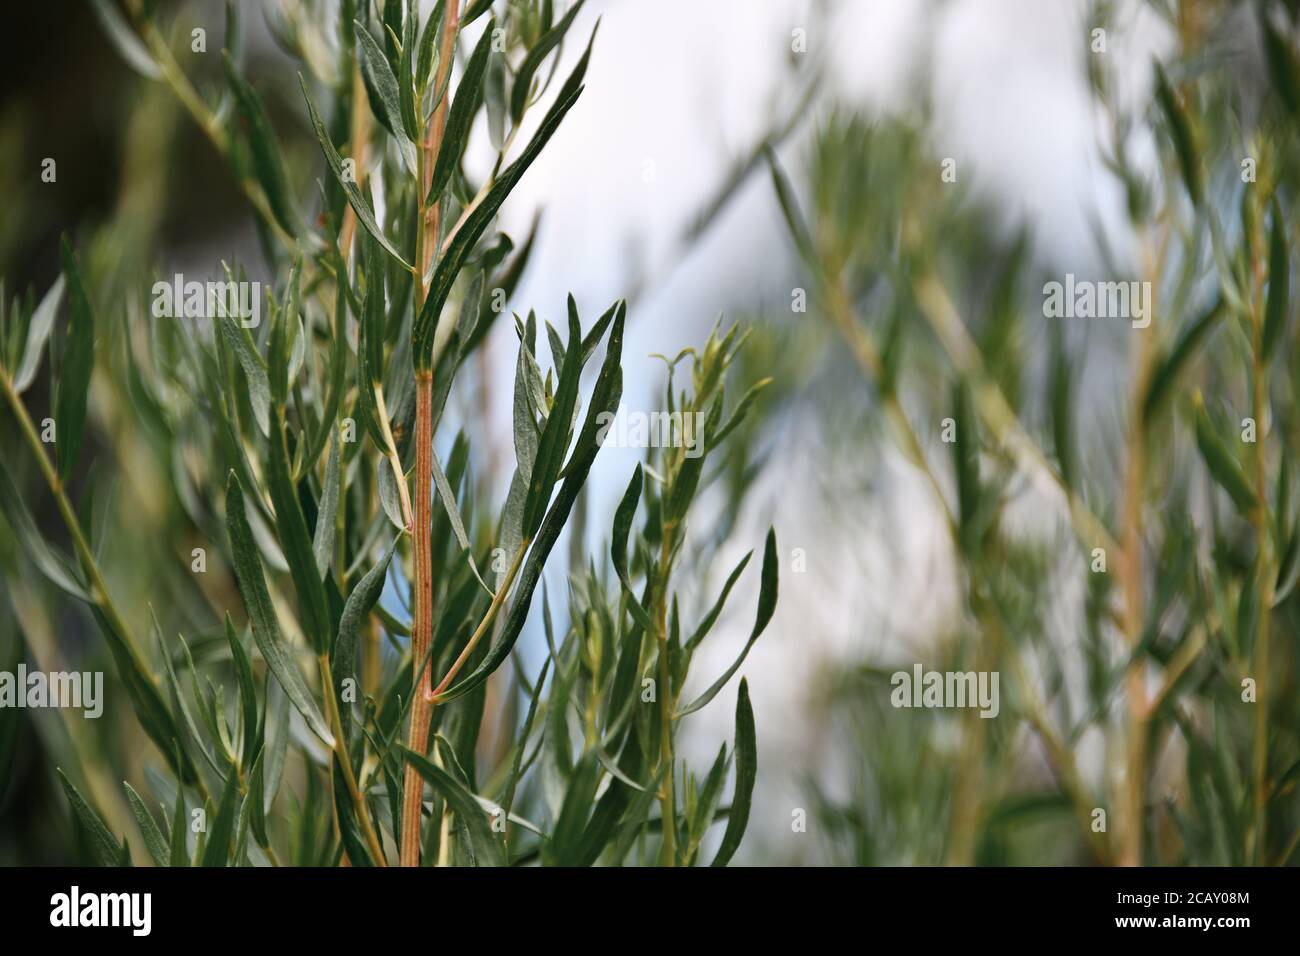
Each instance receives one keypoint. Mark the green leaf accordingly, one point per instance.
(405, 80)
(261, 612)
(187, 718)
(291, 526)
(153, 838)
(389, 497)
(146, 698)
(381, 84)
(179, 849)
(741, 410)
(78, 363)
(370, 342)
(484, 848)
(433, 28)
(359, 604)
(240, 856)
(216, 852)
(250, 360)
(128, 45)
(687, 481)
(565, 845)
(706, 804)
(521, 743)
(1283, 67)
(448, 497)
(711, 618)
(475, 10)
(322, 544)
(349, 830)
(38, 332)
(1180, 131)
(103, 845)
(51, 563)
(277, 744)
(965, 453)
(555, 436)
(766, 606)
(268, 161)
(365, 215)
(519, 93)
(618, 546)
(746, 772)
(604, 400)
(1223, 466)
(1166, 374)
(247, 695)
(494, 99)
(463, 107)
(449, 267)
(1279, 275)
(790, 210)
(1061, 405)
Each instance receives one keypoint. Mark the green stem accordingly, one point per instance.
(1265, 576)
(498, 600)
(98, 589)
(345, 761)
(667, 791)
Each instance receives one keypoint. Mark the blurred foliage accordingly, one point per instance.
(1125, 556)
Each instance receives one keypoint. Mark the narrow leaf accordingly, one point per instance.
(360, 205)
(261, 613)
(38, 332)
(103, 845)
(1279, 275)
(1223, 466)
(746, 772)
(484, 847)
(766, 606)
(153, 838)
(73, 387)
(129, 46)
(322, 544)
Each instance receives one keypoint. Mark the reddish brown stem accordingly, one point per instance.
(422, 631)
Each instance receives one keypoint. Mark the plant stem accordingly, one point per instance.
(867, 356)
(498, 600)
(208, 122)
(394, 461)
(993, 407)
(1265, 574)
(359, 140)
(1139, 710)
(433, 136)
(345, 761)
(667, 790)
(426, 236)
(98, 589)
(422, 626)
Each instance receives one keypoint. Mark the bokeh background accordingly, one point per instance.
(656, 189)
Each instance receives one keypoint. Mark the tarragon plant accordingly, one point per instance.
(350, 598)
